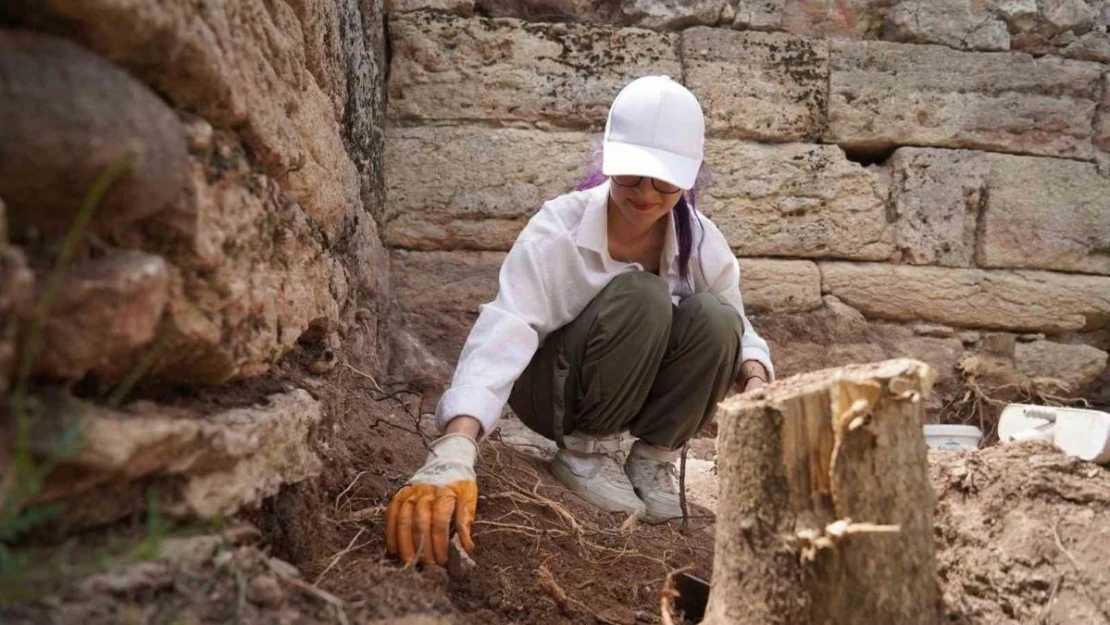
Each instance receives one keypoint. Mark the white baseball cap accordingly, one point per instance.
(655, 128)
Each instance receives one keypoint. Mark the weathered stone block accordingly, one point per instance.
(796, 200)
(68, 116)
(1029, 212)
(761, 86)
(474, 188)
(480, 69)
(779, 285)
(240, 65)
(936, 197)
(1074, 365)
(221, 462)
(106, 310)
(1036, 301)
(1045, 213)
(672, 14)
(458, 7)
(884, 94)
(851, 19)
(959, 24)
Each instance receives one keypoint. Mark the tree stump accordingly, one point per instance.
(825, 513)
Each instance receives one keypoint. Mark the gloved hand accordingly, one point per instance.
(444, 488)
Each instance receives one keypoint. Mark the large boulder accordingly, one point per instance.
(69, 116)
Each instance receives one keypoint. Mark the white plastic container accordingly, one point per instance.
(952, 437)
(1026, 422)
(1084, 434)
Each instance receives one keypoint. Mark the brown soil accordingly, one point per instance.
(1022, 537)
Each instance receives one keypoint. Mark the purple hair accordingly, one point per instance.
(684, 217)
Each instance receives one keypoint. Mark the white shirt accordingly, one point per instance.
(558, 264)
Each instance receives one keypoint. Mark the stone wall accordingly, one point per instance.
(245, 219)
(897, 178)
(256, 203)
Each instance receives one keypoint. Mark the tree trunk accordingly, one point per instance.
(835, 445)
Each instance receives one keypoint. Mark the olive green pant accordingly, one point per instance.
(632, 361)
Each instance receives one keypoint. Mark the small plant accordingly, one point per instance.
(29, 472)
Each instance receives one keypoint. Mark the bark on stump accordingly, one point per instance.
(798, 459)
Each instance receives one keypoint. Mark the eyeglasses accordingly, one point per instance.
(659, 185)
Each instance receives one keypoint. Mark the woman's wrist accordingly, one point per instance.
(464, 424)
(753, 369)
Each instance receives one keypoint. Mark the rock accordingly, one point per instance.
(1035, 213)
(813, 18)
(778, 93)
(1062, 15)
(779, 285)
(1046, 214)
(837, 335)
(242, 67)
(954, 23)
(219, 463)
(464, 8)
(672, 14)
(1074, 365)
(796, 200)
(1102, 128)
(758, 15)
(884, 94)
(265, 590)
(591, 11)
(1020, 15)
(438, 294)
(475, 188)
(936, 197)
(251, 273)
(16, 289)
(414, 363)
(1034, 301)
(454, 69)
(105, 312)
(1093, 46)
(69, 115)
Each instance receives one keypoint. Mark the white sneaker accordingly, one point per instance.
(654, 476)
(598, 479)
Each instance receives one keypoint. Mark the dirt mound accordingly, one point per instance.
(1023, 536)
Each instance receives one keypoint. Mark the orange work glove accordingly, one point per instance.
(445, 488)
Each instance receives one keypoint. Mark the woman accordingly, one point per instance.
(619, 310)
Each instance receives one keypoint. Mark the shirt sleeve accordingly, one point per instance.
(723, 275)
(503, 340)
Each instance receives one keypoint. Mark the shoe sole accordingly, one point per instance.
(567, 478)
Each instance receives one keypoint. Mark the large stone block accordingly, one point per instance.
(771, 286)
(960, 24)
(852, 19)
(240, 65)
(885, 94)
(1029, 212)
(1074, 365)
(454, 69)
(68, 116)
(1045, 213)
(1035, 301)
(936, 198)
(760, 86)
(220, 463)
(796, 200)
(474, 188)
(105, 311)
(250, 272)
